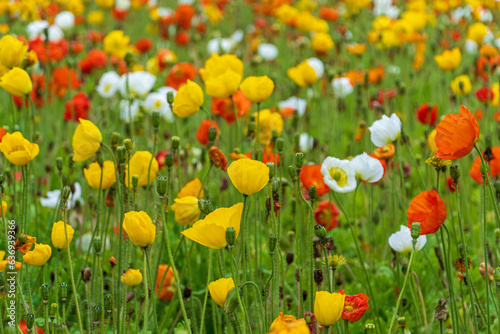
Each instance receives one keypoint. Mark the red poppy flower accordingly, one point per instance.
(322, 214)
(494, 164)
(328, 14)
(202, 133)
(95, 36)
(310, 175)
(182, 38)
(451, 184)
(76, 47)
(143, 45)
(428, 209)
(184, 15)
(77, 107)
(224, 107)
(3, 132)
(427, 114)
(119, 14)
(57, 49)
(484, 94)
(456, 135)
(267, 155)
(24, 328)
(95, 59)
(179, 74)
(354, 306)
(61, 78)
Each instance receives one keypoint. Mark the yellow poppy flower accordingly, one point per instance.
(17, 149)
(16, 82)
(303, 74)
(93, 175)
(188, 99)
(131, 277)
(449, 59)
(12, 51)
(220, 289)
(38, 256)
(58, 235)
(86, 140)
(248, 176)
(139, 165)
(257, 89)
(192, 188)
(186, 210)
(139, 228)
(328, 307)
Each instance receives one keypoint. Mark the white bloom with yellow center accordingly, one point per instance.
(386, 130)
(367, 168)
(108, 84)
(339, 175)
(402, 241)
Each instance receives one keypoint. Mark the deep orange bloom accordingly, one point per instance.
(184, 15)
(182, 38)
(494, 165)
(225, 107)
(202, 133)
(324, 211)
(456, 135)
(217, 158)
(3, 132)
(61, 81)
(143, 45)
(376, 75)
(427, 114)
(428, 209)
(328, 14)
(310, 175)
(385, 152)
(57, 49)
(95, 59)
(354, 306)
(267, 155)
(168, 287)
(179, 74)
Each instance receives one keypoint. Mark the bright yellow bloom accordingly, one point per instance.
(16, 82)
(303, 74)
(16, 265)
(328, 307)
(95, 17)
(139, 165)
(17, 149)
(38, 256)
(211, 231)
(257, 89)
(449, 59)
(322, 42)
(223, 85)
(432, 142)
(288, 324)
(476, 32)
(116, 43)
(105, 4)
(86, 140)
(132, 277)
(4, 208)
(139, 228)
(248, 176)
(269, 121)
(12, 51)
(217, 65)
(186, 210)
(188, 99)
(461, 85)
(495, 90)
(58, 235)
(220, 289)
(192, 188)
(93, 175)
(214, 14)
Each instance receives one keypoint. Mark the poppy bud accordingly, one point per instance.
(308, 319)
(251, 128)
(169, 160)
(320, 231)
(129, 59)
(135, 181)
(313, 194)
(273, 239)
(187, 292)
(275, 185)
(156, 119)
(128, 145)
(205, 206)
(318, 276)
(230, 236)
(53, 310)
(30, 320)
(369, 328)
(297, 275)
(304, 295)
(292, 172)
(100, 159)
(161, 185)
(402, 321)
(176, 141)
(299, 160)
(97, 245)
(415, 230)
(66, 191)
(170, 97)
(86, 274)
(115, 138)
(270, 165)
(212, 133)
(122, 154)
(63, 292)
(108, 303)
(45, 293)
(289, 258)
(280, 143)
(231, 303)
(59, 163)
(484, 169)
(97, 313)
(455, 173)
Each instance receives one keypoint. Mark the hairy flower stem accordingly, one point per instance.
(237, 289)
(205, 299)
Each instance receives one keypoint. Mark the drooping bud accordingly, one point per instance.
(231, 303)
(86, 274)
(292, 172)
(230, 236)
(318, 276)
(455, 173)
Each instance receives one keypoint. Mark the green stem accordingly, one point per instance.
(205, 299)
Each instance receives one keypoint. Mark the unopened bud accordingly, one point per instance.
(156, 119)
(30, 320)
(108, 303)
(415, 230)
(128, 145)
(135, 181)
(115, 139)
(455, 173)
(59, 163)
(97, 245)
(369, 328)
(86, 274)
(230, 236)
(121, 153)
(270, 165)
(318, 276)
(161, 185)
(320, 231)
(170, 97)
(97, 313)
(212, 133)
(289, 258)
(292, 172)
(484, 169)
(169, 160)
(299, 160)
(231, 303)
(275, 185)
(176, 141)
(45, 293)
(66, 191)
(63, 292)
(313, 194)
(273, 239)
(53, 310)
(280, 143)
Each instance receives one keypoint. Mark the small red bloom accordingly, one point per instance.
(450, 184)
(143, 45)
(484, 94)
(324, 211)
(95, 59)
(202, 133)
(310, 175)
(179, 74)
(182, 38)
(427, 114)
(354, 306)
(77, 107)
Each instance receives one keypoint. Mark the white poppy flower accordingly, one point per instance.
(128, 113)
(317, 65)
(342, 87)
(267, 51)
(140, 84)
(339, 175)
(386, 130)
(295, 103)
(52, 199)
(219, 45)
(402, 241)
(237, 36)
(36, 28)
(108, 84)
(158, 102)
(471, 46)
(65, 20)
(367, 168)
(122, 4)
(306, 142)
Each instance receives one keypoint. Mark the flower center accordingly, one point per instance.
(339, 175)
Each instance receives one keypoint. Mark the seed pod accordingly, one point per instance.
(313, 194)
(169, 160)
(30, 320)
(176, 141)
(97, 313)
(161, 185)
(108, 303)
(212, 133)
(59, 163)
(318, 276)
(53, 309)
(63, 292)
(299, 160)
(289, 258)
(86, 274)
(231, 302)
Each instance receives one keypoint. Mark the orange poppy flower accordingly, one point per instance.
(217, 158)
(327, 214)
(428, 209)
(224, 107)
(202, 133)
(376, 75)
(267, 155)
(184, 15)
(456, 135)
(328, 14)
(494, 163)
(62, 78)
(168, 287)
(3, 132)
(179, 74)
(385, 152)
(310, 175)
